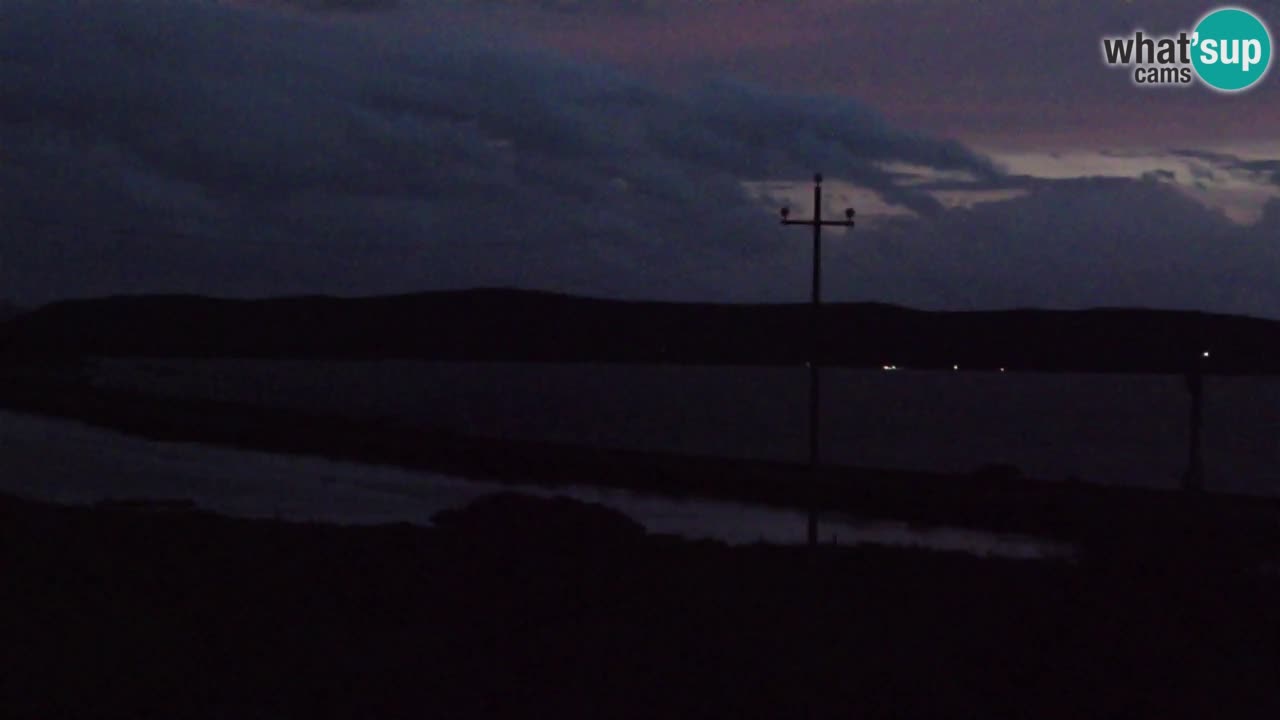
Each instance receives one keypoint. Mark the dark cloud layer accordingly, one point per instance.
(253, 153)
(997, 72)
(194, 147)
(327, 5)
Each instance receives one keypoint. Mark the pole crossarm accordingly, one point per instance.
(816, 221)
(823, 223)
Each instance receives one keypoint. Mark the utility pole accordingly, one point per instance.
(815, 342)
(1193, 480)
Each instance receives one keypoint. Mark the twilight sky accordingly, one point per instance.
(630, 148)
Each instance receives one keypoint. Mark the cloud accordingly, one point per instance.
(1087, 242)
(1268, 169)
(1249, 170)
(323, 6)
(183, 146)
(1014, 73)
(195, 147)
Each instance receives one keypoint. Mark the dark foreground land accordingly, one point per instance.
(554, 609)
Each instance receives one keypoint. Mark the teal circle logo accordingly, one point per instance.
(1231, 49)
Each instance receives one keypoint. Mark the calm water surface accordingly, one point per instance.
(1120, 429)
(68, 462)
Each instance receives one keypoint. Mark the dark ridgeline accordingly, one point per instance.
(8, 310)
(513, 325)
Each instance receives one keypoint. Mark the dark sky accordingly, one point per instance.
(634, 148)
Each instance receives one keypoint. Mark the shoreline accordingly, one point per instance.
(997, 499)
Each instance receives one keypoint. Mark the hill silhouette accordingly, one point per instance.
(514, 325)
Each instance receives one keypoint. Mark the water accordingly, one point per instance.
(68, 462)
(1116, 429)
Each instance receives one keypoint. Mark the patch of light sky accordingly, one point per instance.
(1239, 194)
(871, 208)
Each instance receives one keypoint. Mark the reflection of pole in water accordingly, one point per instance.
(817, 223)
(1194, 477)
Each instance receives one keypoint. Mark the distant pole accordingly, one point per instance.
(1193, 480)
(815, 342)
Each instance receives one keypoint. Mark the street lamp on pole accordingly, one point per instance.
(817, 223)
